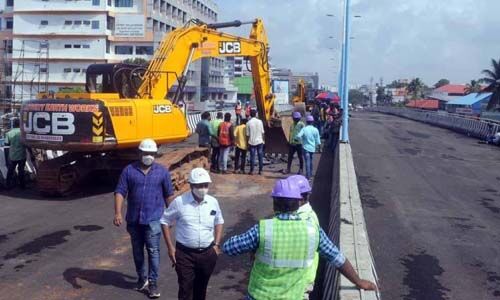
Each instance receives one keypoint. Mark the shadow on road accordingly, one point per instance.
(99, 277)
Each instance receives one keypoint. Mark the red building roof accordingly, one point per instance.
(430, 104)
(458, 89)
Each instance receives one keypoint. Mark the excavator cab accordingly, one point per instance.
(119, 78)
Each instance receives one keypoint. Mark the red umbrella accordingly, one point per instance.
(332, 97)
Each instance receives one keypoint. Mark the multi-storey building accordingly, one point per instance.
(53, 41)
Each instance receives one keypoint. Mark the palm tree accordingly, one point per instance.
(473, 87)
(493, 82)
(415, 88)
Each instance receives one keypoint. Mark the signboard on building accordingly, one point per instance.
(130, 26)
(281, 91)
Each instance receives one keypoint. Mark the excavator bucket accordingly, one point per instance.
(277, 136)
(300, 107)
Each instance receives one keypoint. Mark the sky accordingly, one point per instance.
(393, 39)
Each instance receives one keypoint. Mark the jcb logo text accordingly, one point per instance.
(229, 47)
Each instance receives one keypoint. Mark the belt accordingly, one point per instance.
(197, 250)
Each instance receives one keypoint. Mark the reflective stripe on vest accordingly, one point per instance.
(266, 256)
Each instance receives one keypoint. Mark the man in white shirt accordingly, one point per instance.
(199, 222)
(255, 133)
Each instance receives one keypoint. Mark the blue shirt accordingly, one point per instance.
(203, 131)
(249, 242)
(310, 138)
(145, 193)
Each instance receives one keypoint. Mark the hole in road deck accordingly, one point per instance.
(422, 272)
(88, 228)
(39, 244)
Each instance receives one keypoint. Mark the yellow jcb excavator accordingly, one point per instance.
(123, 104)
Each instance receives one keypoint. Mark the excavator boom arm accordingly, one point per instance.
(185, 45)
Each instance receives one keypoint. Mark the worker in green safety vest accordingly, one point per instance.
(285, 247)
(305, 211)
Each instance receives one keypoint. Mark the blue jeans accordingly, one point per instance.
(259, 150)
(147, 236)
(223, 157)
(308, 158)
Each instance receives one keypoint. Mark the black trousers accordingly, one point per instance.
(215, 158)
(20, 164)
(291, 151)
(194, 268)
(240, 159)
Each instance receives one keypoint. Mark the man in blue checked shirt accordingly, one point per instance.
(284, 248)
(147, 187)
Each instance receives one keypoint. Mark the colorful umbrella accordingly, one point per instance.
(325, 96)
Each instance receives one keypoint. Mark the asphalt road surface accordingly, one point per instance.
(67, 248)
(432, 206)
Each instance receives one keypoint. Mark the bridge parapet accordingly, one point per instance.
(479, 128)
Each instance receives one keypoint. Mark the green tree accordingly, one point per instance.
(415, 88)
(473, 87)
(356, 97)
(492, 79)
(441, 82)
(380, 95)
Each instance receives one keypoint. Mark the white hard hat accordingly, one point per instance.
(148, 145)
(199, 175)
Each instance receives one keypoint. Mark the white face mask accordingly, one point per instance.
(200, 192)
(148, 160)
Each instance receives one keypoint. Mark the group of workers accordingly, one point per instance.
(286, 247)
(221, 135)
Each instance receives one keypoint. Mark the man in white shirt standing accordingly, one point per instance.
(255, 133)
(199, 222)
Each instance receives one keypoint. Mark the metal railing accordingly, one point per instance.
(476, 127)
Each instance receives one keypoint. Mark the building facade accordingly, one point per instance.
(50, 43)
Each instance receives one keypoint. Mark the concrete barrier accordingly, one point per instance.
(478, 128)
(354, 242)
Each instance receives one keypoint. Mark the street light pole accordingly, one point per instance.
(345, 73)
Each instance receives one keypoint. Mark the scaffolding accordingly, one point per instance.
(24, 72)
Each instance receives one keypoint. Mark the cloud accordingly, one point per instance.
(453, 39)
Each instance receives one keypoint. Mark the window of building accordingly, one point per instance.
(110, 2)
(84, 70)
(9, 3)
(144, 50)
(108, 46)
(68, 22)
(67, 46)
(124, 3)
(86, 22)
(78, 22)
(96, 2)
(43, 70)
(111, 23)
(86, 46)
(76, 70)
(9, 23)
(67, 70)
(77, 46)
(44, 22)
(124, 50)
(95, 24)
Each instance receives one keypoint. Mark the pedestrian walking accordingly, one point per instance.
(203, 130)
(147, 186)
(310, 141)
(255, 133)
(226, 141)
(17, 155)
(214, 142)
(198, 221)
(241, 143)
(295, 143)
(306, 211)
(281, 271)
(237, 112)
